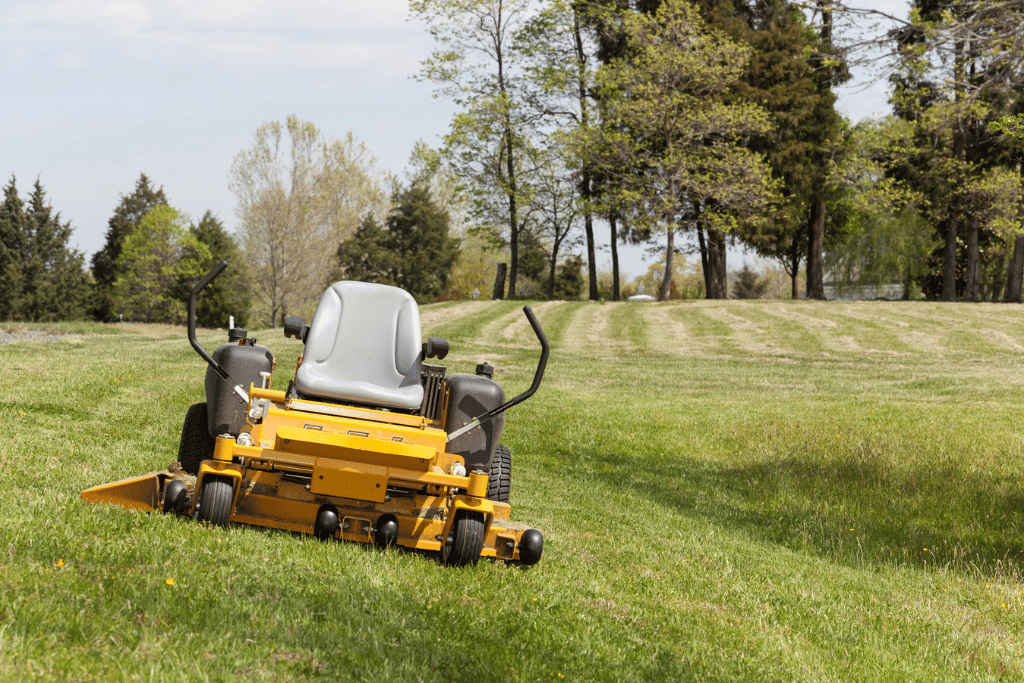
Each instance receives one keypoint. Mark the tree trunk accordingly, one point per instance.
(1016, 271)
(949, 260)
(973, 289)
(794, 271)
(723, 272)
(704, 260)
(588, 225)
(615, 260)
(815, 245)
(586, 187)
(666, 280)
(499, 282)
(510, 171)
(551, 274)
(715, 278)
(998, 281)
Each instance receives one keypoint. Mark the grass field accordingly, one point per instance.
(727, 490)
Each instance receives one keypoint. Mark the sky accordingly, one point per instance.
(95, 92)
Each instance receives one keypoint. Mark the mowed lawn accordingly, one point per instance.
(727, 491)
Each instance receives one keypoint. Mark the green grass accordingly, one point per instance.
(727, 490)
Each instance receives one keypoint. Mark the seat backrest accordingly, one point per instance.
(363, 346)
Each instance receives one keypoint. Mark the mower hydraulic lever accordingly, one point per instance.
(192, 297)
(537, 377)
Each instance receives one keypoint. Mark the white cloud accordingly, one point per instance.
(117, 16)
(233, 34)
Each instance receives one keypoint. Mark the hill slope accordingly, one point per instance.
(728, 491)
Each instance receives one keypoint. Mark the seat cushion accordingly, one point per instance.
(363, 346)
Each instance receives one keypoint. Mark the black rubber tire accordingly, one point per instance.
(499, 482)
(215, 500)
(196, 443)
(467, 539)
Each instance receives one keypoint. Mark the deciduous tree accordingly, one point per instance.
(674, 148)
(474, 65)
(154, 260)
(299, 196)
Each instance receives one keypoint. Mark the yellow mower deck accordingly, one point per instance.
(367, 465)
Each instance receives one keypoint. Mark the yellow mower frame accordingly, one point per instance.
(340, 471)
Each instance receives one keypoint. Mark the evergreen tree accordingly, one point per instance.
(796, 91)
(126, 218)
(56, 285)
(12, 249)
(230, 293)
(41, 278)
(366, 256)
(414, 249)
(672, 145)
(569, 281)
(747, 284)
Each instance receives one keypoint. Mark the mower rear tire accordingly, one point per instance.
(196, 443)
(499, 483)
(215, 500)
(467, 539)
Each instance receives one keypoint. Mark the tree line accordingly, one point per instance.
(716, 121)
(687, 127)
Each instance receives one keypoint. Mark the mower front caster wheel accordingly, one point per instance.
(467, 539)
(215, 499)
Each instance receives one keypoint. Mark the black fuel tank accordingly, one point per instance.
(469, 397)
(243, 364)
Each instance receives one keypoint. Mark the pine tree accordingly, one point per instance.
(414, 249)
(41, 278)
(230, 293)
(56, 286)
(126, 218)
(12, 249)
(796, 91)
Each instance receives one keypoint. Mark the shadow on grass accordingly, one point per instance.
(45, 409)
(853, 511)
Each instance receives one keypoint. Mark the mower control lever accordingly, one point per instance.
(192, 297)
(537, 377)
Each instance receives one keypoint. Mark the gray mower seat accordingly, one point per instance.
(363, 346)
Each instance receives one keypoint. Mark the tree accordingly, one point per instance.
(154, 260)
(12, 248)
(960, 69)
(474, 66)
(568, 285)
(413, 250)
(673, 149)
(558, 77)
(828, 71)
(43, 278)
(747, 284)
(231, 293)
(559, 210)
(788, 85)
(299, 196)
(124, 221)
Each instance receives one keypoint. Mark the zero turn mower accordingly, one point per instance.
(368, 443)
